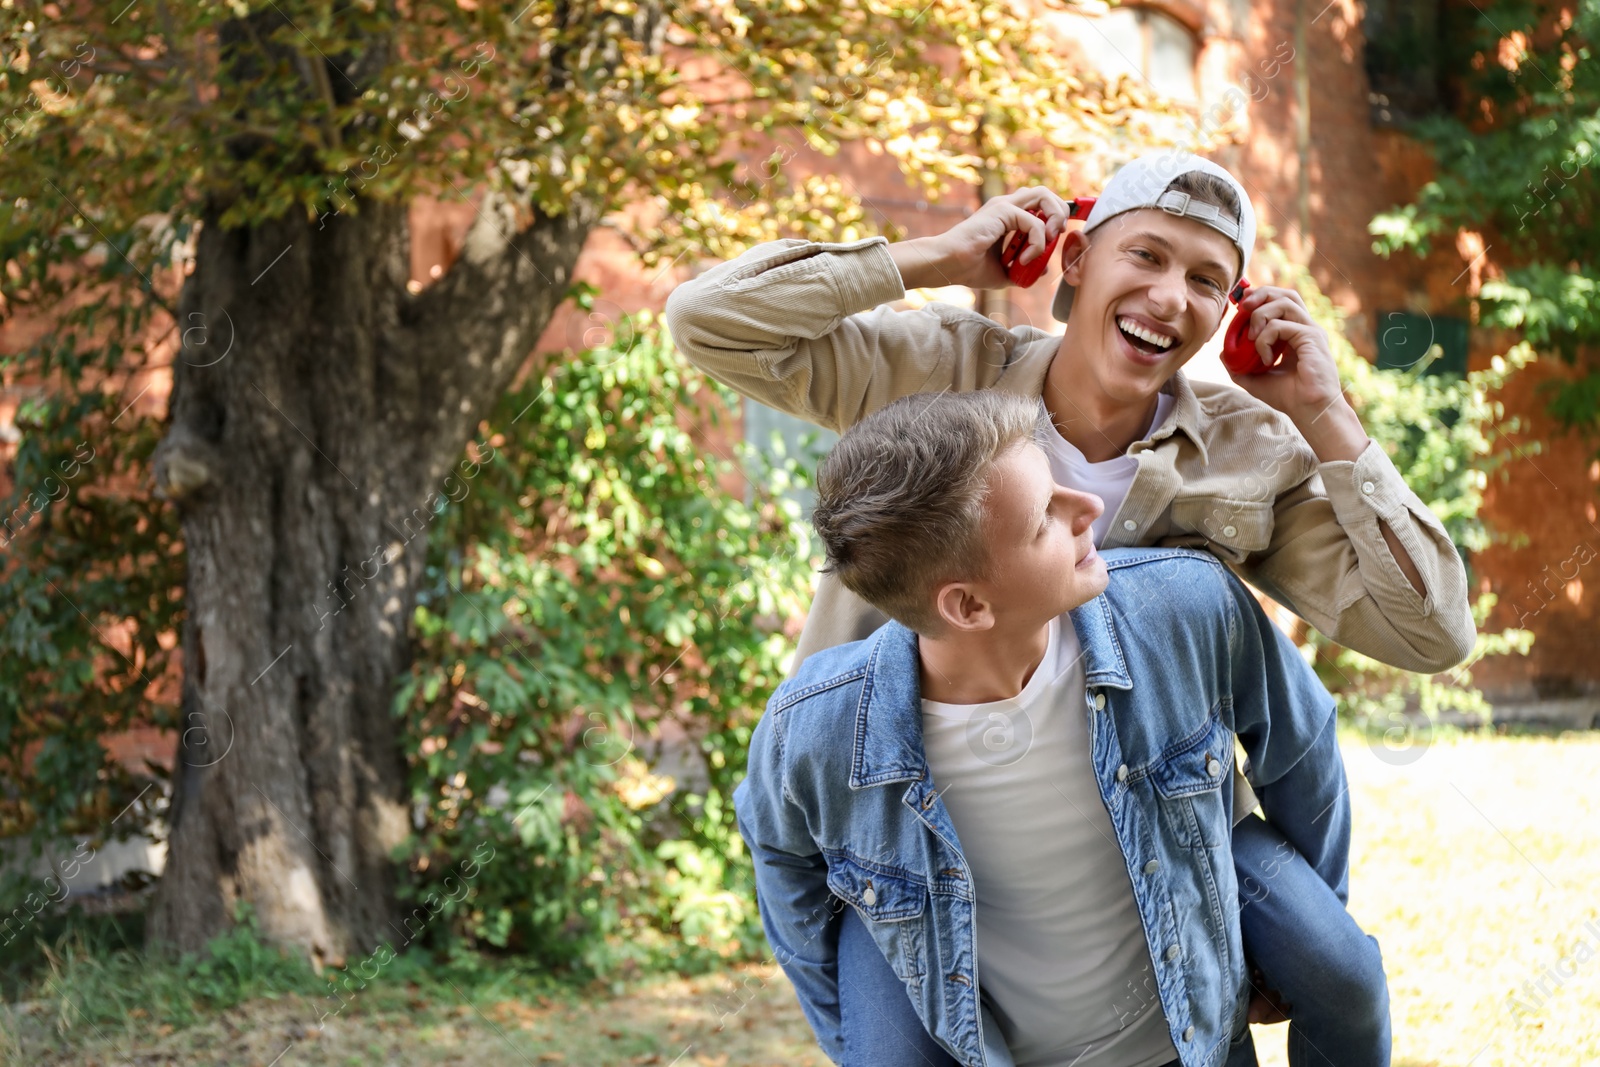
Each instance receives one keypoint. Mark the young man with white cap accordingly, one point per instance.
(1276, 478)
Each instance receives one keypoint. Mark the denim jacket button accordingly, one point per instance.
(1173, 951)
(1122, 773)
(1152, 867)
(1099, 702)
(869, 896)
(1188, 1033)
(1213, 766)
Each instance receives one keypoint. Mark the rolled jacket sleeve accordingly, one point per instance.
(800, 326)
(1329, 562)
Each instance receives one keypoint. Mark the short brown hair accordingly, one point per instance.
(900, 498)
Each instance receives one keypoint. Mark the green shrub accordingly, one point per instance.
(91, 566)
(598, 588)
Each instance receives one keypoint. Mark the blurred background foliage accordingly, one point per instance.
(605, 618)
(1515, 163)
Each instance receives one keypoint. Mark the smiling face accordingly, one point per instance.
(1041, 554)
(1151, 290)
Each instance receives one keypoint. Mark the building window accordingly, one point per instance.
(1145, 44)
(1408, 48)
(1406, 341)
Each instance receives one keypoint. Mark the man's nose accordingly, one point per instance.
(1169, 295)
(1087, 508)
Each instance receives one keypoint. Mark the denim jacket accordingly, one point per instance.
(839, 804)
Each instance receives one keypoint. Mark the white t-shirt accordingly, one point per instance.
(1108, 480)
(1062, 957)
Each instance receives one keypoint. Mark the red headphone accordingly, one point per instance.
(1025, 274)
(1239, 353)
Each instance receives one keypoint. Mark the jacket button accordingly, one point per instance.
(1173, 951)
(1188, 1033)
(1213, 767)
(869, 897)
(1129, 525)
(1368, 487)
(1099, 702)
(1122, 773)
(1152, 867)
(1230, 531)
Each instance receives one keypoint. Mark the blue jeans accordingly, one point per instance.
(1309, 948)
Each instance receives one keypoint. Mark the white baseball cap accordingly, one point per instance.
(1144, 182)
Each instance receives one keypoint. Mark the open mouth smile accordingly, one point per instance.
(1143, 338)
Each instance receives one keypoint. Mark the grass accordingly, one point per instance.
(1475, 865)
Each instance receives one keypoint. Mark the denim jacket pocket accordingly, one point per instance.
(1234, 528)
(879, 895)
(888, 902)
(1190, 780)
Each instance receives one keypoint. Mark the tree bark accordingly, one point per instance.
(306, 462)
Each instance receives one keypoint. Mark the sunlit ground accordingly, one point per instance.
(1477, 865)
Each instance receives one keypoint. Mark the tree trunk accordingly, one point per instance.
(318, 409)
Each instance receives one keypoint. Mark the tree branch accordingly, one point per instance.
(476, 327)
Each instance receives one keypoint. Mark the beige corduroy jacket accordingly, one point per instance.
(800, 326)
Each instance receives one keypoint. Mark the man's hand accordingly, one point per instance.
(1307, 380)
(1266, 1005)
(969, 252)
(1305, 385)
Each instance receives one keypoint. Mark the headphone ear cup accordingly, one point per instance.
(1025, 274)
(1239, 354)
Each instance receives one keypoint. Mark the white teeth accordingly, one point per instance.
(1159, 340)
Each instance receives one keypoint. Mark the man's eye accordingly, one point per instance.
(1211, 283)
(1145, 254)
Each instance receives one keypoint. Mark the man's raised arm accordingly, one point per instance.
(800, 326)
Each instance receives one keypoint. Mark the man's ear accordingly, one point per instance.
(962, 609)
(1073, 246)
